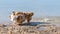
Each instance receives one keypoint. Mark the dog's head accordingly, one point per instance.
(17, 16)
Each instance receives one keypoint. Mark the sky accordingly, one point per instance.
(39, 7)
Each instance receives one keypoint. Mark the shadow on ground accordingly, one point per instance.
(33, 23)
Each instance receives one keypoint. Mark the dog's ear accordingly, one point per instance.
(13, 12)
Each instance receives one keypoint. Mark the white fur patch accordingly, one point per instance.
(13, 18)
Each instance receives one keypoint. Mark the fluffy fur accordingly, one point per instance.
(20, 17)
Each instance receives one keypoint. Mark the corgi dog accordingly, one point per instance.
(20, 17)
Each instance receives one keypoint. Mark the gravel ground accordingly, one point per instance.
(29, 29)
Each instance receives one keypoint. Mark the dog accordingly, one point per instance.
(20, 17)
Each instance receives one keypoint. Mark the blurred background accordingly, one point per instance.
(39, 7)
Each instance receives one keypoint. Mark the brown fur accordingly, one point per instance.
(27, 16)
